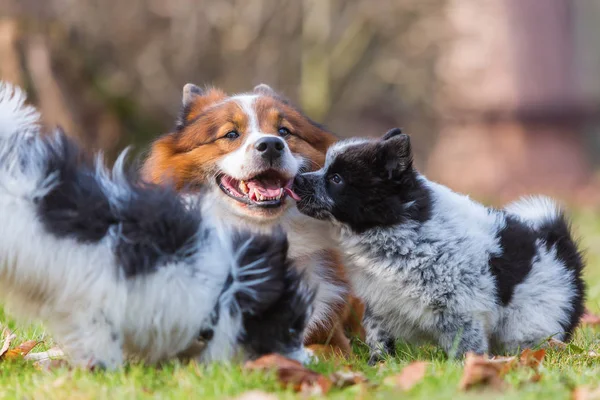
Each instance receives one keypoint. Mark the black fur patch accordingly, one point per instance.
(76, 206)
(155, 228)
(153, 223)
(513, 265)
(279, 328)
(263, 264)
(367, 196)
(557, 233)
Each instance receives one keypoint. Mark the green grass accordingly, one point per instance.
(561, 371)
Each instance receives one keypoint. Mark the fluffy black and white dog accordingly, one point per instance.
(432, 264)
(118, 269)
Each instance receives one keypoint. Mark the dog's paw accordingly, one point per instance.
(375, 359)
(304, 355)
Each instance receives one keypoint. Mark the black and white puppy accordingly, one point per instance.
(432, 264)
(118, 269)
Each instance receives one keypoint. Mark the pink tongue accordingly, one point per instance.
(267, 189)
(290, 192)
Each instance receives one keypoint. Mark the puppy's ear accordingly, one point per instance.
(392, 133)
(394, 154)
(194, 102)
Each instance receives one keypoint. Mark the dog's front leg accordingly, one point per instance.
(461, 334)
(92, 340)
(379, 340)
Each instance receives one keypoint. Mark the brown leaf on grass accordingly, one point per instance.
(557, 344)
(410, 375)
(53, 353)
(481, 371)
(21, 350)
(256, 395)
(585, 393)
(532, 359)
(7, 338)
(506, 363)
(590, 319)
(291, 373)
(345, 378)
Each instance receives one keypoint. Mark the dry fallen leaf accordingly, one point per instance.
(486, 371)
(291, 373)
(410, 375)
(21, 350)
(256, 395)
(342, 379)
(590, 319)
(532, 359)
(480, 370)
(53, 353)
(7, 337)
(556, 344)
(585, 393)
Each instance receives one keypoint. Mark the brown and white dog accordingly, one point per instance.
(245, 150)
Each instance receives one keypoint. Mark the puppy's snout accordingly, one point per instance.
(270, 148)
(299, 181)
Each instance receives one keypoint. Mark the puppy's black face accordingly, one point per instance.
(365, 184)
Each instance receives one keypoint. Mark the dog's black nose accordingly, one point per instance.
(270, 148)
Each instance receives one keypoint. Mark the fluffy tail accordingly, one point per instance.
(553, 228)
(15, 116)
(535, 210)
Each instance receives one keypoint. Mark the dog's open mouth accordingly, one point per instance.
(267, 189)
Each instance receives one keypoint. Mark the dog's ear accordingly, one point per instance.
(264, 89)
(194, 102)
(190, 92)
(394, 154)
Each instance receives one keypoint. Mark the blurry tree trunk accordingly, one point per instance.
(315, 79)
(52, 104)
(512, 113)
(10, 68)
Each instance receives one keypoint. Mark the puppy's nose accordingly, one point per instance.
(299, 181)
(270, 148)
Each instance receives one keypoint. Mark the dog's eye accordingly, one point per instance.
(283, 131)
(336, 178)
(292, 332)
(232, 135)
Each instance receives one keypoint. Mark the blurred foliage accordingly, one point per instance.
(361, 67)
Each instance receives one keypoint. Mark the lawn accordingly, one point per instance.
(561, 372)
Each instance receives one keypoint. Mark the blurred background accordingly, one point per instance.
(501, 97)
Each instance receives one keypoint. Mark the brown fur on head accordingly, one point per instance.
(190, 155)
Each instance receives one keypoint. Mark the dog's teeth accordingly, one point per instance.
(244, 187)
